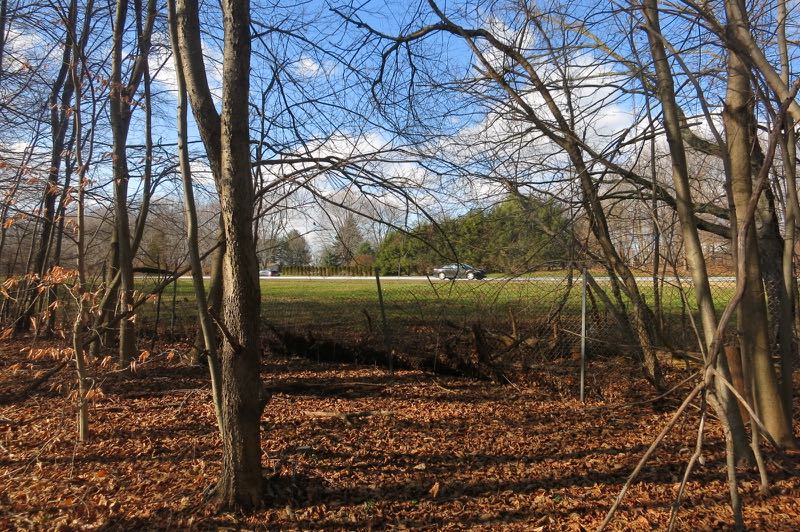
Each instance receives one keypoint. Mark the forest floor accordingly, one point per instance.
(349, 447)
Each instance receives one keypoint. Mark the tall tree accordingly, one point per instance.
(226, 138)
(295, 250)
(121, 105)
(738, 119)
(685, 209)
(347, 237)
(207, 333)
(60, 101)
(792, 220)
(506, 67)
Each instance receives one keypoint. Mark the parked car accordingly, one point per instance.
(269, 273)
(458, 271)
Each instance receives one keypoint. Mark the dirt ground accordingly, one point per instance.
(349, 447)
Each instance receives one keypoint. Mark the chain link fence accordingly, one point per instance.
(474, 327)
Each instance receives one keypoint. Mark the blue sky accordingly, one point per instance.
(322, 101)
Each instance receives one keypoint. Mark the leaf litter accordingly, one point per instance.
(355, 447)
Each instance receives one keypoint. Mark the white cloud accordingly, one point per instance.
(308, 67)
(201, 174)
(27, 51)
(167, 77)
(506, 144)
(161, 56)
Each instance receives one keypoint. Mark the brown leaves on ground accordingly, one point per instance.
(358, 448)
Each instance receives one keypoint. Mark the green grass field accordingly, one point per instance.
(341, 302)
(349, 310)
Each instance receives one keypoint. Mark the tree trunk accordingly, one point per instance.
(81, 319)
(226, 139)
(789, 147)
(120, 110)
(119, 129)
(753, 322)
(215, 282)
(240, 484)
(109, 300)
(80, 370)
(190, 213)
(642, 319)
(214, 301)
(691, 239)
(3, 24)
(60, 100)
(773, 260)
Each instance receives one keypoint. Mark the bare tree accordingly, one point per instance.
(554, 124)
(685, 209)
(190, 209)
(753, 319)
(121, 103)
(226, 137)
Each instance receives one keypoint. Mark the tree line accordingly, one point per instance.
(500, 238)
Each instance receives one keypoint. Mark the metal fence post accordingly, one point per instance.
(174, 315)
(383, 317)
(583, 332)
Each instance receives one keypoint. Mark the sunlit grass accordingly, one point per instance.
(342, 302)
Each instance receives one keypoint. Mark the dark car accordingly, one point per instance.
(458, 271)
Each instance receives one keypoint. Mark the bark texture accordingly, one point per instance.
(240, 484)
(227, 140)
(753, 320)
(691, 238)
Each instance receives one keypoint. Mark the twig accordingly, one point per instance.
(511, 383)
(32, 387)
(237, 347)
(697, 452)
(689, 398)
(646, 401)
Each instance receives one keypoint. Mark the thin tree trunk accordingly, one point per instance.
(753, 323)
(110, 297)
(60, 101)
(190, 213)
(117, 108)
(691, 238)
(214, 297)
(80, 369)
(3, 26)
(789, 147)
(120, 109)
(79, 327)
(147, 177)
